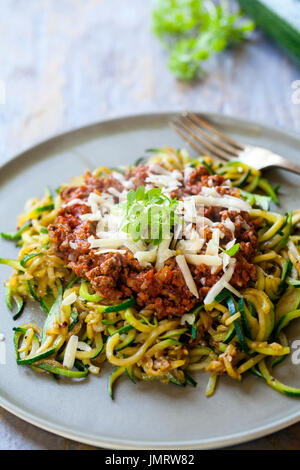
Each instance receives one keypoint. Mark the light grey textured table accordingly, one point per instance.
(68, 63)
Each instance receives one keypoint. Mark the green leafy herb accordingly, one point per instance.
(149, 215)
(233, 250)
(194, 30)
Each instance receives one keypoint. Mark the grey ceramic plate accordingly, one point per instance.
(142, 415)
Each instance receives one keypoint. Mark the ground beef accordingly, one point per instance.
(117, 276)
(91, 184)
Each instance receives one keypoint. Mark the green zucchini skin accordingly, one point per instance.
(116, 373)
(20, 306)
(30, 360)
(15, 236)
(286, 320)
(230, 335)
(54, 312)
(237, 325)
(275, 384)
(65, 372)
(119, 307)
(28, 257)
(278, 19)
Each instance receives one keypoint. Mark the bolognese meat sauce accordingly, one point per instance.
(116, 275)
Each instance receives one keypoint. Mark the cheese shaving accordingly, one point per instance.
(228, 202)
(181, 261)
(219, 286)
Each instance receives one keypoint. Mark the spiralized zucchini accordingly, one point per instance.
(82, 331)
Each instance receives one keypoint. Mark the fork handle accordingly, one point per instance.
(287, 165)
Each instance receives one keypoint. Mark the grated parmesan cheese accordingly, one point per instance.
(229, 202)
(209, 260)
(101, 252)
(219, 286)
(145, 258)
(181, 261)
(75, 201)
(229, 224)
(164, 253)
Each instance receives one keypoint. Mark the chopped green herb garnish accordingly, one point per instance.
(233, 250)
(194, 30)
(149, 215)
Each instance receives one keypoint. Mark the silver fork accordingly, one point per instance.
(208, 140)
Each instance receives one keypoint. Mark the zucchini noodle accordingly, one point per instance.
(239, 332)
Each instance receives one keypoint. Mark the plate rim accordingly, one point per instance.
(210, 443)
(204, 444)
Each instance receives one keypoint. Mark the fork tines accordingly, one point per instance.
(205, 138)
